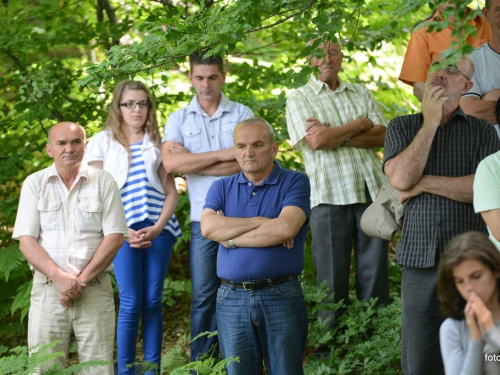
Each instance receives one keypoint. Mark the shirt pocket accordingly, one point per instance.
(49, 214)
(192, 138)
(227, 130)
(90, 212)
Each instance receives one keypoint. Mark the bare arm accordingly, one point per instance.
(171, 200)
(418, 90)
(222, 168)
(97, 164)
(455, 188)
(177, 159)
(374, 137)
(102, 257)
(481, 108)
(275, 231)
(218, 227)
(321, 137)
(67, 284)
(405, 169)
(492, 220)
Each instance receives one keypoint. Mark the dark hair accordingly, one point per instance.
(470, 245)
(425, 19)
(198, 58)
(497, 111)
(487, 4)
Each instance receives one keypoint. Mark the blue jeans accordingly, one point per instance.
(267, 324)
(140, 275)
(203, 266)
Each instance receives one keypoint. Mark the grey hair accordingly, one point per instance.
(258, 120)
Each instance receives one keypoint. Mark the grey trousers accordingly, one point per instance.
(335, 229)
(420, 352)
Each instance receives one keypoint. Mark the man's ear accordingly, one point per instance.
(468, 85)
(48, 149)
(485, 13)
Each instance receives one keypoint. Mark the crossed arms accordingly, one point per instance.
(253, 231)
(483, 108)
(178, 159)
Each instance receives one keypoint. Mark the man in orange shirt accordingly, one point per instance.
(424, 47)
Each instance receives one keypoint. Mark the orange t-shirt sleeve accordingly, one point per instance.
(417, 58)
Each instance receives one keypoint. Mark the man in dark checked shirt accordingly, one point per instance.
(431, 157)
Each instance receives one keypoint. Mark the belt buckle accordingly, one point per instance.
(249, 283)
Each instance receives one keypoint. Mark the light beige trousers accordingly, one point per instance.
(91, 319)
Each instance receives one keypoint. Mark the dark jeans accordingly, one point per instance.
(420, 352)
(334, 229)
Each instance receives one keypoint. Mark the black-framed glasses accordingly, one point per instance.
(132, 104)
(449, 69)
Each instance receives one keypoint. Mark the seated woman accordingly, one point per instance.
(468, 287)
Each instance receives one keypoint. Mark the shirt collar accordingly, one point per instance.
(319, 85)
(224, 106)
(272, 179)
(83, 173)
(457, 112)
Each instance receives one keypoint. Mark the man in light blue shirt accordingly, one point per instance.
(198, 143)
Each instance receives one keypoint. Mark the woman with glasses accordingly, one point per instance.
(129, 148)
(469, 290)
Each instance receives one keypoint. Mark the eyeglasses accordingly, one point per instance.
(332, 52)
(132, 104)
(449, 69)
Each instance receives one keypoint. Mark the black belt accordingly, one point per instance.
(259, 284)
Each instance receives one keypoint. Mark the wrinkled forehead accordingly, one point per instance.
(66, 131)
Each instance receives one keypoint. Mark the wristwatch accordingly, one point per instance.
(346, 143)
(231, 243)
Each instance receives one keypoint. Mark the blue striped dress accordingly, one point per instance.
(141, 200)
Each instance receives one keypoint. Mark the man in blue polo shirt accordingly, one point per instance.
(259, 216)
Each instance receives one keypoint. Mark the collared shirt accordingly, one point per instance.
(70, 224)
(424, 47)
(195, 130)
(338, 176)
(238, 197)
(431, 221)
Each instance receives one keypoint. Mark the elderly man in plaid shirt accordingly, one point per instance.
(336, 125)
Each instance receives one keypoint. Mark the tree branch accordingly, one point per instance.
(308, 5)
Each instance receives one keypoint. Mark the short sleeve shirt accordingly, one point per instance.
(431, 221)
(486, 63)
(195, 130)
(70, 225)
(424, 47)
(338, 176)
(238, 197)
(487, 188)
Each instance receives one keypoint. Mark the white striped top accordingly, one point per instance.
(141, 200)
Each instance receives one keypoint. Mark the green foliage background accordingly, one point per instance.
(60, 60)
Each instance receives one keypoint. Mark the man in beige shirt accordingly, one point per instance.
(70, 224)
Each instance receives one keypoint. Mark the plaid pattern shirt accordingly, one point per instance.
(338, 176)
(431, 221)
